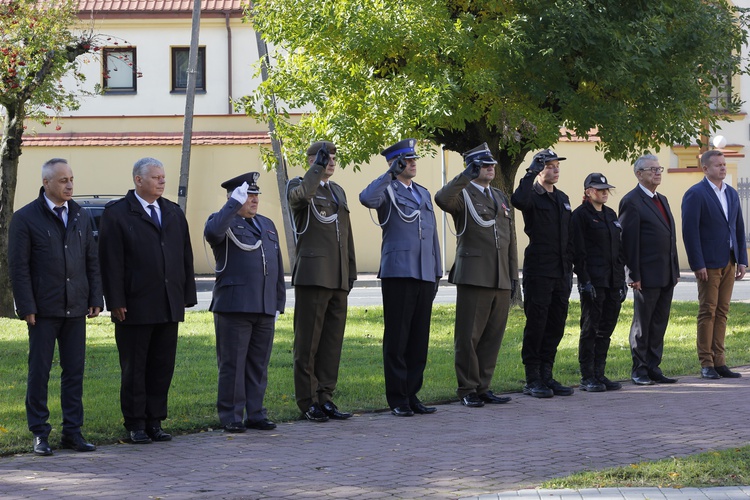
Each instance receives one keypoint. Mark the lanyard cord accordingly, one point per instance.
(242, 246)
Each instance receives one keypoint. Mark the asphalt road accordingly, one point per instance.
(369, 294)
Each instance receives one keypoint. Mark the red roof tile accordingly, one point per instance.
(144, 139)
(158, 6)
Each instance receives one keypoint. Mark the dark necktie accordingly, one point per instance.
(154, 216)
(491, 198)
(59, 211)
(333, 196)
(660, 206)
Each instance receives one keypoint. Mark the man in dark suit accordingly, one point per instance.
(324, 272)
(410, 271)
(714, 234)
(651, 268)
(249, 294)
(547, 268)
(485, 273)
(147, 271)
(54, 271)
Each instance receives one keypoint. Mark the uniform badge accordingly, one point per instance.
(323, 213)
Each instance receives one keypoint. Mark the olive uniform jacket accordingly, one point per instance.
(485, 256)
(325, 251)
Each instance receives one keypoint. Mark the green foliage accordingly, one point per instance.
(37, 49)
(508, 72)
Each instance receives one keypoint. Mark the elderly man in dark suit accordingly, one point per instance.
(54, 271)
(324, 272)
(651, 268)
(147, 271)
(249, 294)
(410, 271)
(485, 273)
(714, 234)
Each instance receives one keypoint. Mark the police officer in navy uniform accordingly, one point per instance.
(323, 274)
(410, 270)
(485, 273)
(249, 294)
(599, 263)
(547, 278)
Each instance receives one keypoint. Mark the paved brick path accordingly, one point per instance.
(457, 452)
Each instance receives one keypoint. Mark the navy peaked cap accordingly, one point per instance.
(252, 182)
(405, 147)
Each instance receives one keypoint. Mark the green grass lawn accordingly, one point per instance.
(193, 393)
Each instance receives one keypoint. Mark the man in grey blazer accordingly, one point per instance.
(485, 273)
(410, 270)
(714, 234)
(651, 268)
(324, 272)
(249, 294)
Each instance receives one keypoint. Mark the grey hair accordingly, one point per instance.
(708, 155)
(638, 165)
(47, 168)
(140, 167)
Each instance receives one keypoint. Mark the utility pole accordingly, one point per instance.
(187, 134)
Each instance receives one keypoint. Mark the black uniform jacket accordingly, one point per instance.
(597, 254)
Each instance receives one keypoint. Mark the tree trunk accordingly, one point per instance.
(10, 150)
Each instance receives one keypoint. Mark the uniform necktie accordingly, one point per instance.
(154, 216)
(660, 206)
(489, 196)
(59, 211)
(328, 187)
(414, 194)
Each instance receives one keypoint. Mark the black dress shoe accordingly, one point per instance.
(41, 446)
(419, 408)
(403, 411)
(725, 372)
(490, 398)
(235, 427)
(557, 388)
(139, 437)
(662, 379)
(75, 442)
(642, 380)
(261, 425)
(158, 434)
(316, 414)
(472, 400)
(333, 412)
(710, 373)
(592, 384)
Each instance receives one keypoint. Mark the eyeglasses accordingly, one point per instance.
(653, 170)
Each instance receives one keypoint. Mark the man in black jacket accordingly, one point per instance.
(546, 271)
(54, 271)
(147, 264)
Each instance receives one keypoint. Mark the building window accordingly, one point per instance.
(721, 95)
(120, 70)
(180, 58)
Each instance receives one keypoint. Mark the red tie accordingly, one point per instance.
(661, 208)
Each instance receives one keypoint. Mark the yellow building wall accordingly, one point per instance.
(107, 170)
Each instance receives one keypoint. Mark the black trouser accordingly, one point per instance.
(546, 307)
(243, 349)
(598, 321)
(650, 317)
(70, 334)
(407, 310)
(147, 356)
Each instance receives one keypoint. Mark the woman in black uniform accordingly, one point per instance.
(599, 265)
